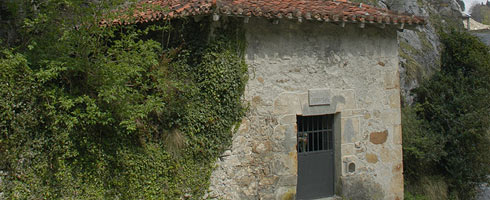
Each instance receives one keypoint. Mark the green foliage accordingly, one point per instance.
(452, 116)
(410, 196)
(115, 112)
(420, 144)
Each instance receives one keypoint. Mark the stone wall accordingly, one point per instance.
(359, 69)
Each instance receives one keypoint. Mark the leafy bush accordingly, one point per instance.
(452, 112)
(90, 112)
(419, 144)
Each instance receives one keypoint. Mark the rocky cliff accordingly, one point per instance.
(420, 49)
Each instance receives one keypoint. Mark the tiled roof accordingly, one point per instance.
(318, 10)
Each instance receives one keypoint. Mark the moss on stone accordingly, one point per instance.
(289, 195)
(426, 45)
(414, 70)
(409, 48)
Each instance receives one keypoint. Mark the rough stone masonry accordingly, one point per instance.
(358, 68)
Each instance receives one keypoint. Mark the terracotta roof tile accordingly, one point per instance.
(319, 10)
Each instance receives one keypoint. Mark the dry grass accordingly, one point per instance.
(430, 187)
(174, 141)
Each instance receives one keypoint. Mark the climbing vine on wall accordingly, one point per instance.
(131, 112)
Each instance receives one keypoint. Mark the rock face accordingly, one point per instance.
(289, 62)
(420, 50)
(484, 192)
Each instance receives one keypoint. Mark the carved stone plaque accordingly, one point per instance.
(319, 97)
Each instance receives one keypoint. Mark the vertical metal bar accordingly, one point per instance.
(310, 135)
(298, 131)
(305, 129)
(324, 126)
(302, 133)
(315, 125)
(323, 123)
(313, 128)
(317, 128)
(319, 133)
(323, 135)
(318, 141)
(330, 139)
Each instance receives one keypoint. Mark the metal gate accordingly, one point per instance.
(315, 157)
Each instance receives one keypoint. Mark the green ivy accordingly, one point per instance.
(131, 112)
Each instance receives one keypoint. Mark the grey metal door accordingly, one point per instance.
(315, 157)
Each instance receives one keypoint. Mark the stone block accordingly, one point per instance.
(285, 164)
(395, 99)
(392, 80)
(397, 153)
(262, 147)
(287, 103)
(241, 145)
(347, 149)
(396, 185)
(361, 187)
(352, 113)
(397, 134)
(243, 178)
(318, 110)
(319, 97)
(378, 137)
(288, 119)
(291, 180)
(293, 162)
(371, 158)
(388, 155)
(244, 126)
(260, 79)
(303, 99)
(268, 181)
(256, 100)
(350, 130)
(280, 132)
(391, 116)
(290, 144)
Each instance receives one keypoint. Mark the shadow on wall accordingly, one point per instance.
(361, 187)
